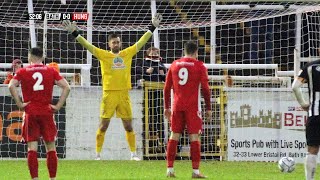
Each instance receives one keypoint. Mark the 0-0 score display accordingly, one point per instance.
(58, 16)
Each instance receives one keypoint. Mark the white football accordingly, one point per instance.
(286, 164)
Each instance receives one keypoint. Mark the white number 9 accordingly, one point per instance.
(183, 75)
(38, 86)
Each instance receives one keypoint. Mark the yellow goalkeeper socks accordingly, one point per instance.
(131, 139)
(99, 140)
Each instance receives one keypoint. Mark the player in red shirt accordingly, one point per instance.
(37, 81)
(185, 77)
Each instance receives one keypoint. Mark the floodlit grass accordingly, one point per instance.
(95, 170)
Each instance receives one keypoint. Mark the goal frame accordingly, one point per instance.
(214, 7)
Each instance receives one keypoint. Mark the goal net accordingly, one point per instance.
(252, 50)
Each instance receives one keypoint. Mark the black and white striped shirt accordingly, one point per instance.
(311, 73)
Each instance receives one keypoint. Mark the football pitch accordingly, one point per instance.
(96, 170)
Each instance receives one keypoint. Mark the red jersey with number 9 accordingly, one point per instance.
(37, 83)
(185, 77)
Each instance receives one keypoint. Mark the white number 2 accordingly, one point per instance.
(183, 75)
(38, 86)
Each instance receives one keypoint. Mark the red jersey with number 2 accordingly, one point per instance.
(37, 83)
(185, 77)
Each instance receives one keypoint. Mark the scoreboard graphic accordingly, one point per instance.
(77, 16)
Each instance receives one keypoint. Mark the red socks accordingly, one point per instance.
(33, 163)
(52, 163)
(195, 154)
(171, 152)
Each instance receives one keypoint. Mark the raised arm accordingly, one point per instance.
(91, 48)
(73, 29)
(144, 39)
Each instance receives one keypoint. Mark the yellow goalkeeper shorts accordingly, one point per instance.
(116, 101)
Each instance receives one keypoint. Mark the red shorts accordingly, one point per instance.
(190, 119)
(35, 126)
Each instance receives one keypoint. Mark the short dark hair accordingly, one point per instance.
(111, 36)
(152, 49)
(36, 51)
(190, 47)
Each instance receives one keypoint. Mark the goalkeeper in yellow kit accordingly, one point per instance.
(116, 78)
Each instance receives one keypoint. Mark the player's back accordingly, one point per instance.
(312, 71)
(37, 83)
(187, 74)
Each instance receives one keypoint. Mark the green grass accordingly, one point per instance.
(95, 170)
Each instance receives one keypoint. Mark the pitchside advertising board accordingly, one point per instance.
(10, 131)
(265, 126)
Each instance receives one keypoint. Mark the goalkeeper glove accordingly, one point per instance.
(71, 27)
(155, 21)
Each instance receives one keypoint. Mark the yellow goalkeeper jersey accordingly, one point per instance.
(116, 68)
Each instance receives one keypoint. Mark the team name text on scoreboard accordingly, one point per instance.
(80, 16)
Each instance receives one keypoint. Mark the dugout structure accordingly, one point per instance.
(213, 138)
